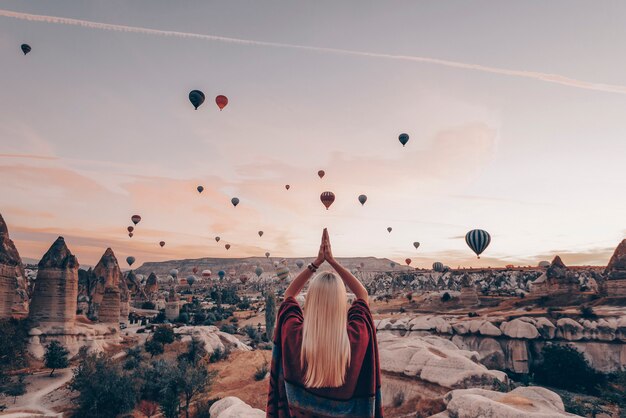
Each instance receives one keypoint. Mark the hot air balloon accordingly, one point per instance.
(362, 199)
(221, 274)
(136, 219)
(174, 273)
(327, 199)
(299, 263)
(275, 264)
(403, 138)
(282, 273)
(478, 240)
(196, 97)
(392, 264)
(232, 273)
(234, 201)
(191, 280)
(437, 266)
(416, 245)
(130, 260)
(227, 246)
(195, 270)
(243, 279)
(544, 264)
(130, 228)
(258, 271)
(260, 233)
(221, 101)
(408, 261)
(287, 186)
(200, 189)
(267, 255)
(362, 264)
(25, 48)
(206, 274)
(217, 239)
(321, 173)
(130, 234)
(162, 244)
(389, 229)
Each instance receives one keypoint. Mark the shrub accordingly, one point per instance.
(13, 342)
(230, 329)
(154, 347)
(566, 368)
(446, 297)
(148, 305)
(587, 312)
(261, 371)
(270, 314)
(164, 334)
(398, 399)
(218, 355)
(427, 407)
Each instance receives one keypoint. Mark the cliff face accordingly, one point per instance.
(56, 287)
(13, 286)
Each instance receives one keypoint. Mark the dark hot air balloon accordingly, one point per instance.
(416, 245)
(221, 274)
(25, 48)
(389, 229)
(196, 97)
(195, 270)
(258, 271)
(362, 199)
(260, 233)
(243, 279)
(130, 234)
(221, 101)
(267, 255)
(130, 228)
(200, 189)
(408, 261)
(403, 138)
(327, 199)
(174, 273)
(227, 246)
(130, 260)
(437, 266)
(217, 239)
(299, 263)
(136, 219)
(478, 240)
(287, 186)
(234, 201)
(162, 244)
(321, 173)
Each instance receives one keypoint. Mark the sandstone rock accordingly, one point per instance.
(616, 269)
(232, 407)
(108, 272)
(546, 328)
(385, 323)
(212, 338)
(605, 330)
(462, 327)
(516, 355)
(519, 329)
(522, 402)
(56, 288)
(487, 328)
(400, 324)
(13, 288)
(152, 286)
(569, 329)
(421, 323)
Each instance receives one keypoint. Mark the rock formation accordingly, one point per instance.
(468, 297)
(56, 288)
(13, 288)
(135, 288)
(106, 296)
(615, 272)
(172, 308)
(152, 287)
(231, 407)
(560, 279)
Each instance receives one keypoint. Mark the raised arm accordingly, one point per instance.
(348, 278)
(298, 283)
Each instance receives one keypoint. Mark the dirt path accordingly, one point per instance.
(32, 403)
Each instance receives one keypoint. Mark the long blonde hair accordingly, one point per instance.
(325, 351)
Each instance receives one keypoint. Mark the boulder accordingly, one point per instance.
(569, 329)
(546, 328)
(212, 338)
(605, 330)
(522, 402)
(487, 328)
(462, 327)
(232, 407)
(385, 323)
(519, 329)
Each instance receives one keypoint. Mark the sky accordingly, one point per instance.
(515, 112)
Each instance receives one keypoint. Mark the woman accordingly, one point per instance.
(325, 358)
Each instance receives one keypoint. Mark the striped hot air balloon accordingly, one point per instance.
(327, 199)
(437, 266)
(258, 271)
(282, 272)
(478, 240)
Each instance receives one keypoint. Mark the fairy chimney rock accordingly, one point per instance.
(55, 295)
(108, 272)
(615, 272)
(13, 289)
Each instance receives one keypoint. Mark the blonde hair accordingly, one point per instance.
(325, 351)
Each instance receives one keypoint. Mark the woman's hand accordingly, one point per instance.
(321, 256)
(328, 252)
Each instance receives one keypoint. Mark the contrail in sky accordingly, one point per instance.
(545, 77)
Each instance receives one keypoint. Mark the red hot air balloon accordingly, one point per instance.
(195, 270)
(130, 234)
(327, 199)
(162, 244)
(321, 173)
(130, 228)
(221, 101)
(136, 219)
(287, 186)
(217, 239)
(227, 246)
(408, 261)
(260, 233)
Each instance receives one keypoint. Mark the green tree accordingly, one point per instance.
(566, 368)
(105, 391)
(270, 314)
(133, 358)
(193, 380)
(56, 357)
(16, 387)
(13, 341)
(153, 347)
(195, 351)
(164, 334)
